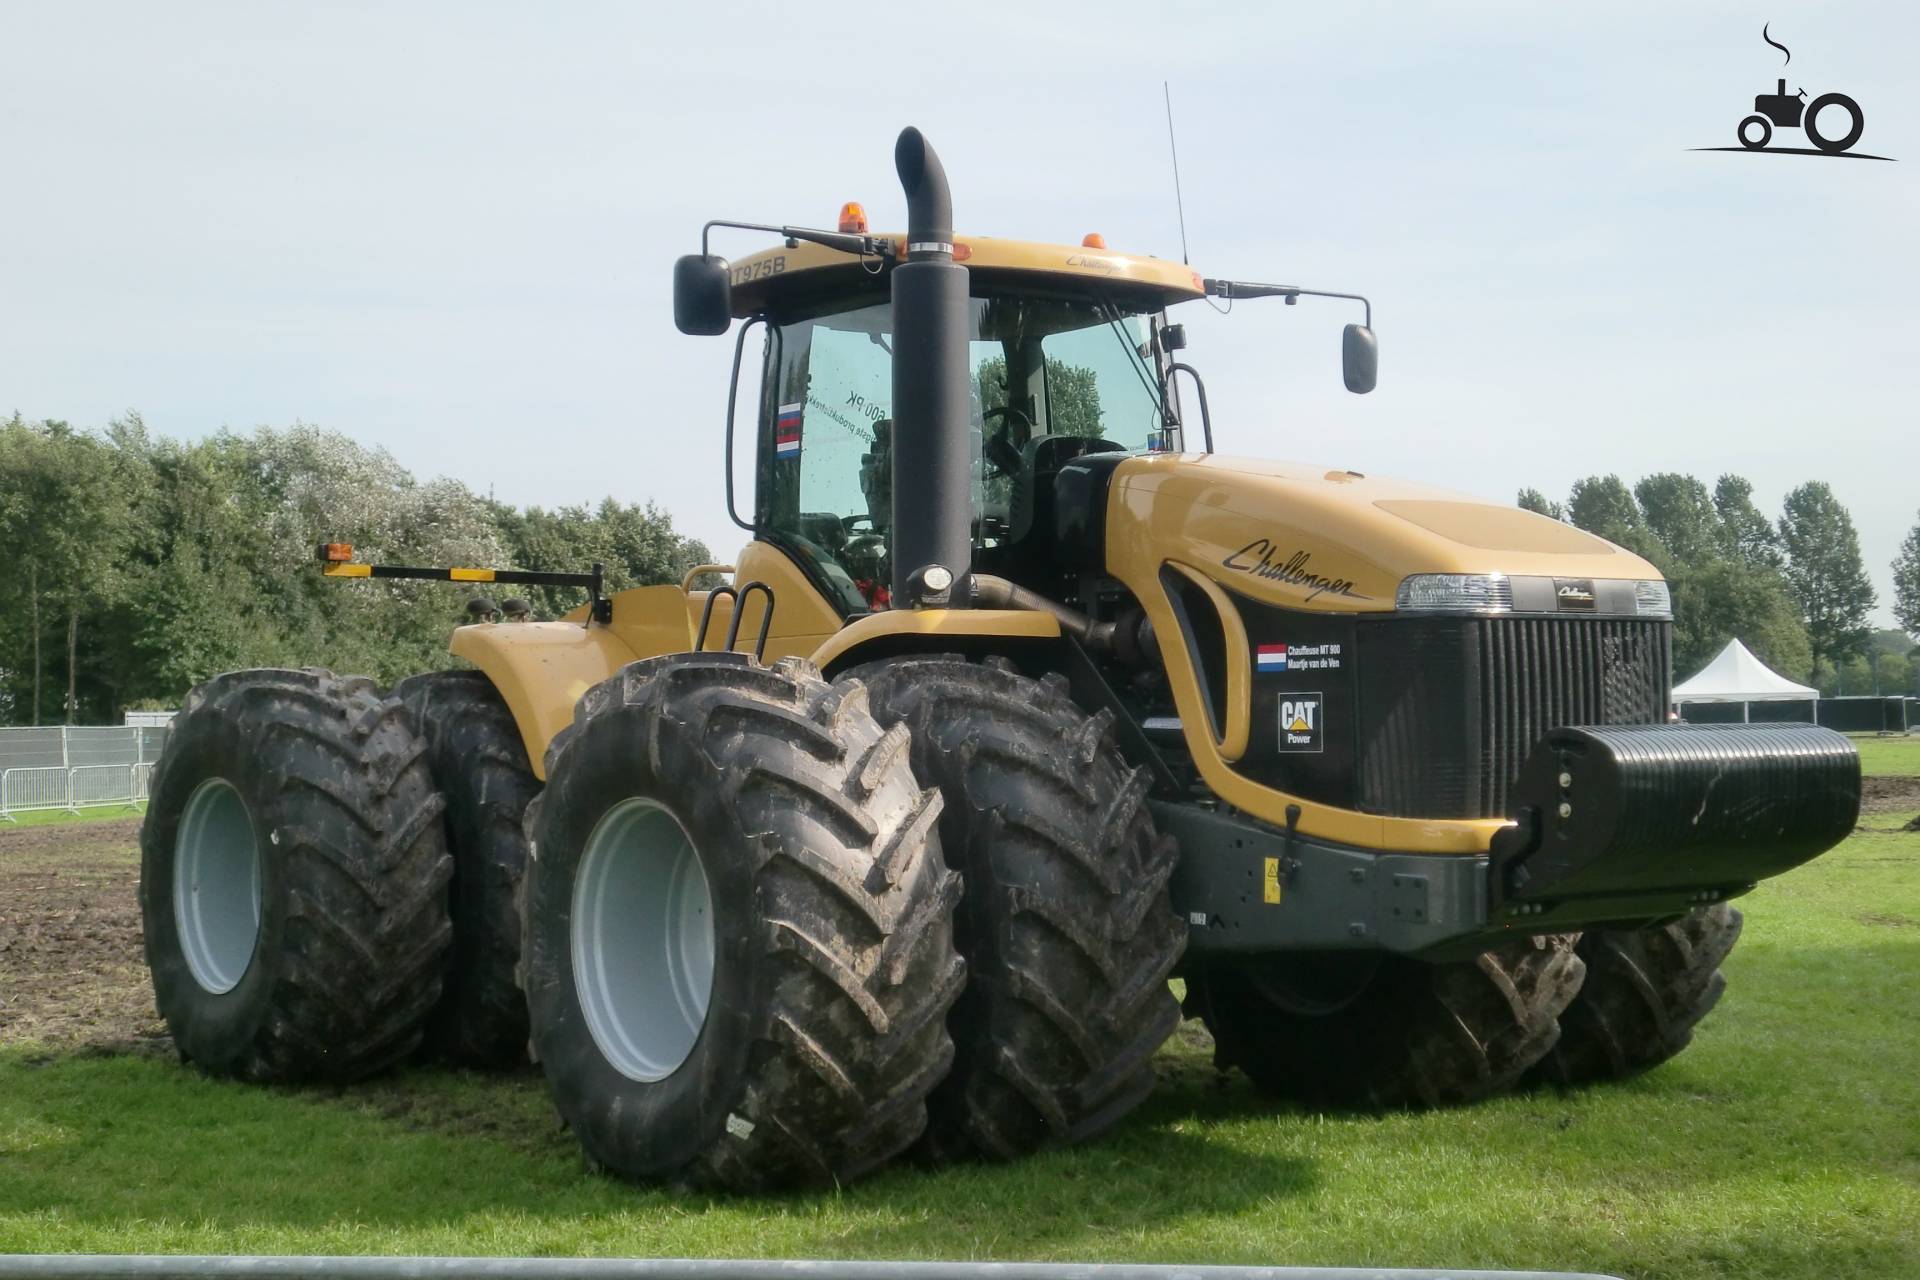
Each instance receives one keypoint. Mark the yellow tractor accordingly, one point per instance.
(1020, 701)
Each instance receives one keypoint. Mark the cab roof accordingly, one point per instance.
(781, 278)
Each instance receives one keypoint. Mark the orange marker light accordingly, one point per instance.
(1093, 240)
(853, 219)
(336, 552)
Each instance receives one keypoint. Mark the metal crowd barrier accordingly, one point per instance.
(189, 1267)
(86, 786)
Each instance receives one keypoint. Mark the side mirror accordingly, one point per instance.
(702, 294)
(1359, 358)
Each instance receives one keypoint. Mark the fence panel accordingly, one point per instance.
(75, 766)
(94, 785)
(25, 790)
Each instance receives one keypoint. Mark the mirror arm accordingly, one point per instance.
(1231, 289)
(866, 246)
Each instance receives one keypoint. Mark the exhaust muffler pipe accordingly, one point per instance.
(932, 464)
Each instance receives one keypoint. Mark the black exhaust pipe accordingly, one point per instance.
(932, 473)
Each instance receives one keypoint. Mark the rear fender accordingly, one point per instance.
(541, 669)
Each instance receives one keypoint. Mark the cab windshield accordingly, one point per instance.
(1050, 378)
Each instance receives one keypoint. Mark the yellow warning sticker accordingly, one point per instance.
(1270, 883)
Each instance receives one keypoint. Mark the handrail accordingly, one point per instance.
(686, 579)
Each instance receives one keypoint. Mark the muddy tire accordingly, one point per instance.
(293, 879)
(1645, 991)
(740, 943)
(1066, 926)
(1379, 1031)
(479, 763)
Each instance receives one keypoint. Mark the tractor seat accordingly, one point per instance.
(1040, 461)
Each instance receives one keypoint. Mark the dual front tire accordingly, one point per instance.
(739, 928)
(1348, 1030)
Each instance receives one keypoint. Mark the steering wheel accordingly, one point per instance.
(1000, 451)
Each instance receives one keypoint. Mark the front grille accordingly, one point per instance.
(1449, 708)
(1538, 674)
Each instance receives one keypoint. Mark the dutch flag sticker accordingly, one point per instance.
(786, 431)
(1270, 657)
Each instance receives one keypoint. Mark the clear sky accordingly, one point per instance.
(447, 228)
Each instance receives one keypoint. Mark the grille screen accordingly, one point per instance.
(1450, 708)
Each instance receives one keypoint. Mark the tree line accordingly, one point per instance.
(136, 566)
(1794, 588)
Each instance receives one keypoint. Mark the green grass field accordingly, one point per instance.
(55, 817)
(1889, 756)
(1784, 1143)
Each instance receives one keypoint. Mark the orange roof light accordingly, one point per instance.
(853, 219)
(1093, 240)
(336, 552)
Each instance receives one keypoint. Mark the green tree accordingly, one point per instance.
(1681, 515)
(1824, 571)
(1605, 507)
(1722, 600)
(1906, 583)
(1747, 535)
(1535, 501)
(1073, 396)
(66, 521)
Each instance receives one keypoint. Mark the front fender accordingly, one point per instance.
(898, 631)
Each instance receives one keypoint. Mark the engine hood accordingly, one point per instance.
(1319, 538)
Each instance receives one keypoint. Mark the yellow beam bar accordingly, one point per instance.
(348, 571)
(469, 575)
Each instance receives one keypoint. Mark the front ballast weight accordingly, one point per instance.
(1612, 825)
(1703, 811)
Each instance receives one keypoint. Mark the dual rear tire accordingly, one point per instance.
(293, 879)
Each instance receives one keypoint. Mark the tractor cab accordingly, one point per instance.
(1054, 374)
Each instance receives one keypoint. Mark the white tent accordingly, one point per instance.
(1737, 676)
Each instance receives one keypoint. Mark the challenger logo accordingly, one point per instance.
(1300, 722)
(1260, 559)
(1574, 594)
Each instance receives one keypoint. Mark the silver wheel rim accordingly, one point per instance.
(216, 886)
(643, 943)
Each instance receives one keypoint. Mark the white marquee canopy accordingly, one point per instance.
(1737, 676)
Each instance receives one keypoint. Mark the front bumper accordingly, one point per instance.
(1613, 826)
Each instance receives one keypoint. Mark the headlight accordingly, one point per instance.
(1457, 593)
(1652, 600)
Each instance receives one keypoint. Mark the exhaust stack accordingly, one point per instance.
(932, 475)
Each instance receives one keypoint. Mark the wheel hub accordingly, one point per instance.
(642, 940)
(216, 886)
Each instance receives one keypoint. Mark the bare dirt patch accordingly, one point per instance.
(1889, 795)
(71, 970)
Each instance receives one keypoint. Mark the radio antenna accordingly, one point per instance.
(1174, 149)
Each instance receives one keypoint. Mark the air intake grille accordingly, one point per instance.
(1449, 709)
(1538, 674)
